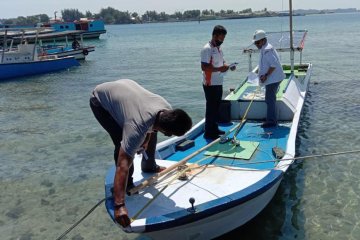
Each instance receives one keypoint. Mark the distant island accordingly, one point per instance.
(113, 16)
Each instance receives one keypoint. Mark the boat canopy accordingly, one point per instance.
(281, 41)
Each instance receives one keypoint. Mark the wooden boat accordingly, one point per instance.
(24, 61)
(211, 188)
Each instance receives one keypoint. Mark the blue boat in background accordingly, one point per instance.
(24, 60)
(92, 27)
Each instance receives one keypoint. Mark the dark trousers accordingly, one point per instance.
(115, 132)
(270, 99)
(213, 95)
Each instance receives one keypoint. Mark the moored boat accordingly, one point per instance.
(24, 61)
(225, 184)
(212, 187)
(63, 44)
(78, 53)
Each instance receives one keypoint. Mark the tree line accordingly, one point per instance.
(113, 16)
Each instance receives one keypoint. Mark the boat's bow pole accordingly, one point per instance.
(291, 37)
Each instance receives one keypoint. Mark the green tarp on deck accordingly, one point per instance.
(229, 150)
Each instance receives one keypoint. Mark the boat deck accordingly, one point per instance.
(247, 90)
(250, 132)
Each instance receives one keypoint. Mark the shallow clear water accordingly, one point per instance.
(54, 154)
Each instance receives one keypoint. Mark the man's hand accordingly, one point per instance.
(263, 78)
(121, 216)
(223, 68)
(121, 175)
(145, 144)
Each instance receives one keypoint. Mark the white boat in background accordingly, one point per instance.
(211, 188)
(23, 60)
(79, 53)
(61, 44)
(92, 28)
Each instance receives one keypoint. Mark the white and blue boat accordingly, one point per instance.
(228, 184)
(23, 60)
(61, 44)
(211, 188)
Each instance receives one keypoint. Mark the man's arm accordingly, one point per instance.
(266, 75)
(124, 162)
(206, 64)
(147, 140)
(270, 58)
(207, 67)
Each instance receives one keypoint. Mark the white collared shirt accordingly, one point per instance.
(212, 55)
(270, 58)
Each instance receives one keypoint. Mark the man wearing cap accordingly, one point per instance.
(213, 67)
(270, 74)
(132, 116)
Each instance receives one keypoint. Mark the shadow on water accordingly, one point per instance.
(282, 218)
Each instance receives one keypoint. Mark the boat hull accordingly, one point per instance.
(221, 223)
(14, 70)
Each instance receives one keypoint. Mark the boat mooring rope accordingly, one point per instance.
(85, 216)
(302, 157)
(340, 74)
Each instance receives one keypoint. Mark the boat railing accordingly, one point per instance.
(25, 49)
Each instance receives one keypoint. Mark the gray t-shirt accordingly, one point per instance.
(133, 107)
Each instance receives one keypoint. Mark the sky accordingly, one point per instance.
(15, 8)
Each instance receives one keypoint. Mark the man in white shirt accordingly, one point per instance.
(270, 74)
(213, 67)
